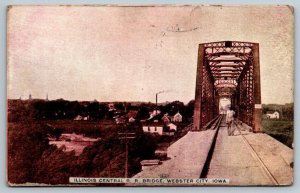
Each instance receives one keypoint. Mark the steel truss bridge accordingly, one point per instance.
(228, 69)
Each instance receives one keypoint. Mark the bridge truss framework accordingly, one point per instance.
(228, 69)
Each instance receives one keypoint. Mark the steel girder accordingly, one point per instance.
(226, 70)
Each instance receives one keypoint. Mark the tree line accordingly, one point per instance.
(63, 109)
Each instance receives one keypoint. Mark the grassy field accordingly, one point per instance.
(282, 130)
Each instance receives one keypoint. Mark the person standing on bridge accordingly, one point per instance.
(229, 120)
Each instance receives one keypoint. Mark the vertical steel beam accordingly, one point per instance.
(257, 113)
(217, 102)
(233, 96)
(198, 92)
(237, 104)
(238, 101)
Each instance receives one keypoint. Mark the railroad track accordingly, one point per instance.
(216, 126)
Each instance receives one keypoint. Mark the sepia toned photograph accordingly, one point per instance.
(156, 95)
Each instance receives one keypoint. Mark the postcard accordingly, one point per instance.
(152, 95)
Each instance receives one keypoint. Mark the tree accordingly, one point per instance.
(54, 166)
(93, 110)
(189, 109)
(26, 144)
(143, 113)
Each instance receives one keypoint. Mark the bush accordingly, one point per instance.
(26, 144)
(54, 166)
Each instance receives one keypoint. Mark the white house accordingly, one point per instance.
(78, 118)
(154, 113)
(86, 118)
(172, 127)
(177, 118)
(273, 114)
(131, 120)
(154, 127)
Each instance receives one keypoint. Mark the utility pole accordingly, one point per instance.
(126, 136)
(156, 101)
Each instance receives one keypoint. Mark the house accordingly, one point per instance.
(159, 127)
(154, 113)
(131, 115)
(172, 127)
(120, 120)
(155, 116)
(166, 118)
(155, 127)
(86, 118)
(78, 118)
(272, 114)
(111, 107)
(131, 120)
(177, 118)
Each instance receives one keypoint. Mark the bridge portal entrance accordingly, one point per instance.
(228, 69)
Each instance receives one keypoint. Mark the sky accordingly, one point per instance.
(131, 53)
